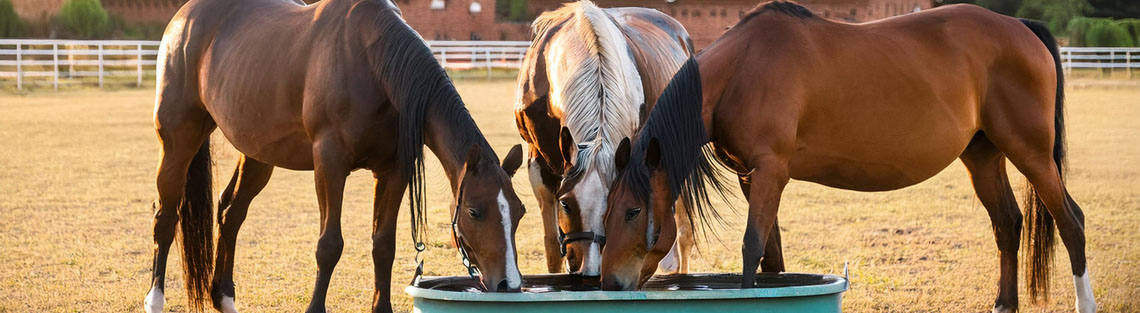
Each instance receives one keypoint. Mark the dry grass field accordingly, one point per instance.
(77, 182)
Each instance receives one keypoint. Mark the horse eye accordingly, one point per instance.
(632, 213)
(565, 207)
(473, 212)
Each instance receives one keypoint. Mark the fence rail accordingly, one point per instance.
(55, 60)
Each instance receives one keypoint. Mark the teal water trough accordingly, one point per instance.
(705, 293)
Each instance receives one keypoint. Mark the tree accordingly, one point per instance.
(85, 19)
(10, 25)
(1055, 13)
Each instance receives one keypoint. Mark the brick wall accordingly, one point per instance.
(706, 20)
(456, 21)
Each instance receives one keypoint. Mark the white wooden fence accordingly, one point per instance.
(50, 61)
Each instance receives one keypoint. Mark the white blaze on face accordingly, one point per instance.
(591, 194)
(154, 300)
(1085, 301)
(514, 278)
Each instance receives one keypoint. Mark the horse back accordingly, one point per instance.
(659, 45)
(906, 93)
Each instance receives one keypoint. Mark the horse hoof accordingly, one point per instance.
(228, 305)
(154, 301)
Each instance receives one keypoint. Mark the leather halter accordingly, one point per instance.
(565, 239)
(460, 244)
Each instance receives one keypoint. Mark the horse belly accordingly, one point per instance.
(265, 134)
(880, 168)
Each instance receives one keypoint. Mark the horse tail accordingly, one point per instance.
(195, 216)
(1039, 224)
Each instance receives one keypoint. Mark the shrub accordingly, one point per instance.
(1133, 27)
(85, 19)
(1080, 26)
(1108, 35)
(10, 25)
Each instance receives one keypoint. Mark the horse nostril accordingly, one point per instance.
(503, 286)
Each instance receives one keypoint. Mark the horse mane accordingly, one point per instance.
(676, 124)
(788, 8)
(599, 95)
(419, 87)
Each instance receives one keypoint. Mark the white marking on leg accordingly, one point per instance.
(671, 263)
(228, 305)
(1085, 301)
(514, 278)
(154, 300)
(1001, 309)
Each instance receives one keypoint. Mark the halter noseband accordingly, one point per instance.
(566, 239)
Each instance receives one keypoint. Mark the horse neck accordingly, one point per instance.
(450, 132)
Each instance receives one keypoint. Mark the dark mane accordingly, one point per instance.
(785, 7)
(419, 88)
(676, 123)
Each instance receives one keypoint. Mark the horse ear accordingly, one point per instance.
(621, 156)
(653, 154)
(513, 160)
(566, 146)
(474, 156)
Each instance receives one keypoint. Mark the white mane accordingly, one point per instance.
(593, 81)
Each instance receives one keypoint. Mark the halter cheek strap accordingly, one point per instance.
(460, 244)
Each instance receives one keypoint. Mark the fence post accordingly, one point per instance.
(19, 67)
(1128, 62)
(55, 65)
(443, 55)
(100, 65)
(1111, 62)
(488, 59)
(139, 66)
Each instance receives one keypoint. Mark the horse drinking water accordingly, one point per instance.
(583, 86)
(332, 87)
(869, 107)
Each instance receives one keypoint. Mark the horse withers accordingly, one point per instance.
(332, 87)
(869, 107)
(583, 86)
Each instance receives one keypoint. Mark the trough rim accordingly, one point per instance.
(838, 286)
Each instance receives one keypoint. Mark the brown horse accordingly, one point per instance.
(869, 107)
(333, 87)
(584, 85)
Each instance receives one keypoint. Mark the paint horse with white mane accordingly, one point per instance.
(584, 85)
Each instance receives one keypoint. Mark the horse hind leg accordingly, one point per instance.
(185, 156)
(1023, 136)
(986, 165)
(250, 177)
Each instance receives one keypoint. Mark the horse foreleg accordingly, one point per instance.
(330, 173)
(677, 261)
(250, 177)
(773, 261)
(767, 184)
(544, 182)
(386, 208)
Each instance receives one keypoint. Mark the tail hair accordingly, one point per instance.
(1039, 226)
(195, 216)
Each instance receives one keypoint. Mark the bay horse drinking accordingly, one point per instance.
(583, 86)
(868, 107)
(333, 87)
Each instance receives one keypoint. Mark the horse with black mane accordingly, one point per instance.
(333, 87)
(583, 86)
(868, 107)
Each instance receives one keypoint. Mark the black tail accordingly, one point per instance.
(195, 216)
(1039, 236)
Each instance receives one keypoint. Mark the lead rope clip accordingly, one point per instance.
(420, 247)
